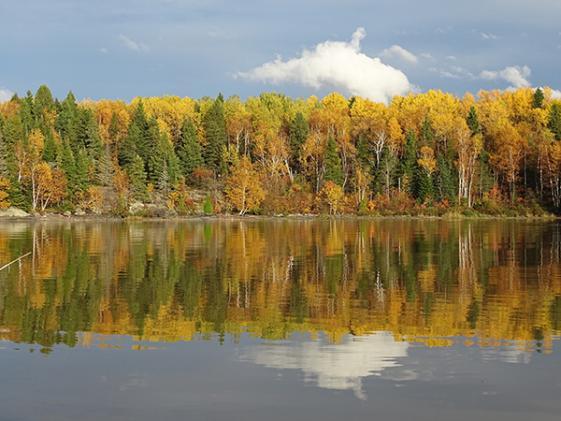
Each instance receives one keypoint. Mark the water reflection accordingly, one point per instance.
(488, 284)
(338, 366)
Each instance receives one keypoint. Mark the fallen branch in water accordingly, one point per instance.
(14, 261)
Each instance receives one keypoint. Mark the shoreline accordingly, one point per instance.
(294, 217)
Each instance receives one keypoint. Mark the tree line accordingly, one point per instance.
(430, 153)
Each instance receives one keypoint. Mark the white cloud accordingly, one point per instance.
(397, 51)
(517, 76)
(133, 45)
(5, 94)
(336, 64)
(488, 36)
(103, 50)
(453, 72)
(555, 94)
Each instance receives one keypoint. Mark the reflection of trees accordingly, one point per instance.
(422, 281)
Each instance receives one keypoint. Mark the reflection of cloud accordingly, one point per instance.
(507, 354)
(333, 366)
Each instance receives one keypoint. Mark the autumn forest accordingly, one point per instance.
(497, 153)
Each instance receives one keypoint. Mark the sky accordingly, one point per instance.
(373, 48)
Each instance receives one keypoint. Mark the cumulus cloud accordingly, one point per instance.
(517, 76)
(339, 65)
(397, 51)
(5, 94)
(133, 45)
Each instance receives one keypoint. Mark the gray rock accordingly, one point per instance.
(79, 212)
(135, 208)
(12, 212)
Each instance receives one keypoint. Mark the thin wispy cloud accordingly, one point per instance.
(339, 65)
(517, 76)
(400, 53)
(488, 36)
(133, 45)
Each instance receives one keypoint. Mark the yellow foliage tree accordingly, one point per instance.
(243, 187)
(333, 195)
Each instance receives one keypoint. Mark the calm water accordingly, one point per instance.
(267, 320)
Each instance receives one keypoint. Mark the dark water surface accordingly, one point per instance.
(281, 319)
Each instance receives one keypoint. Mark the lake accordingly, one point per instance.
(280, 319)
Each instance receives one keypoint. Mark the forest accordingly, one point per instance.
(434, 154)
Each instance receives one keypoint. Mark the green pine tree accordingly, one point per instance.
(538, 99)
(214, 126)
(297, 134)
(137, 178)
(332, 163)
(554, 123)
(445, 184)
(127, 149)
(423, 185)
(409, 164)
(67, 119)
(427, 134)
(473, 121)
(188, 149)
(50, 149)
(82, 176)
(105, 169)
(68, 165)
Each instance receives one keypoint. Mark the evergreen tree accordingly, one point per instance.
(409, 163)
(67, 119)
(27, 113)
(363, 152)
(538, 99)
(114, 129)
(105, 170)
(127, 149)
(473, 121)
(82, 177)
(332, 162)
(427, 133)
(50, 149)
(67, 162)
(88, 134)
(554, 123)
(423, 185)
(214, 126)
(297, 134)
(137, 178)
(445, 184)
(156, 159)
(188, 149)
(4, 151)
(141, 134)
(43, 102)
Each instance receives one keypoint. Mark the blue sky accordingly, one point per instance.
(121, 49)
